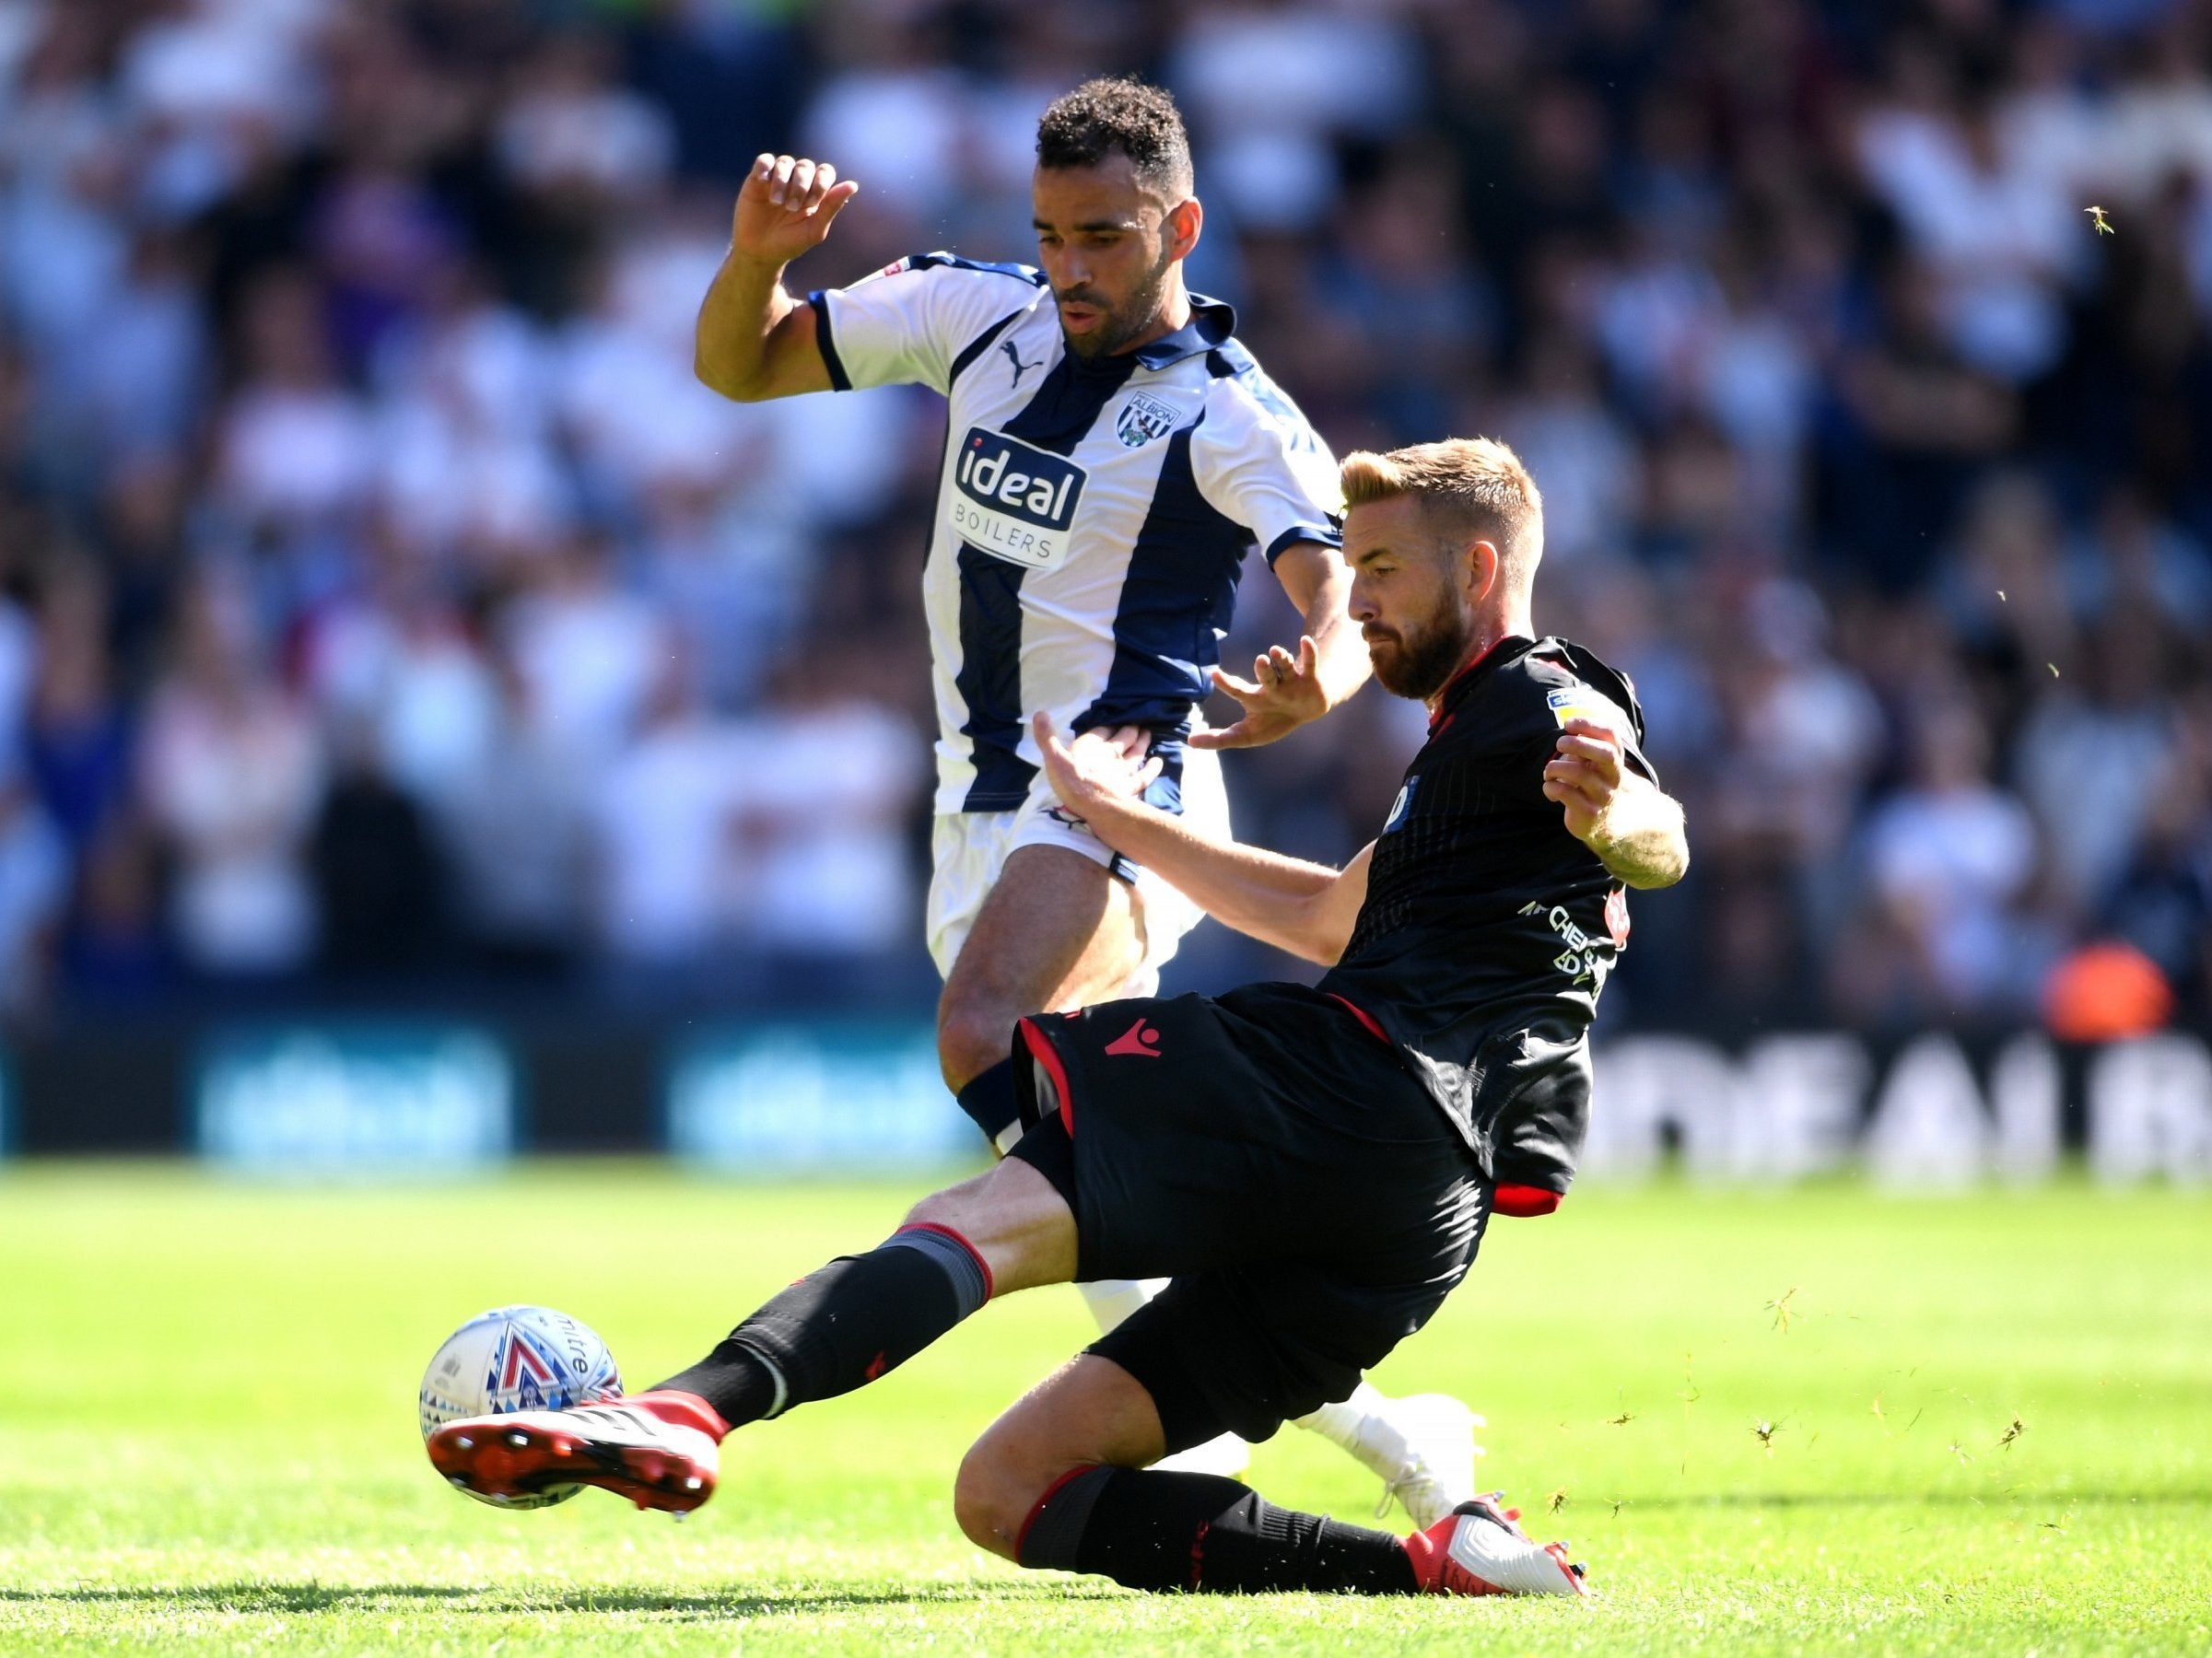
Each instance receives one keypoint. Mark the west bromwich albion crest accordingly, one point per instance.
(1144, 419)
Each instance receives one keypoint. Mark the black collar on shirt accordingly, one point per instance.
(1211, 321)
(1456, 689)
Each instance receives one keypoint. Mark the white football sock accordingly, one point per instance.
(1111, 1301)
(1339, 1423)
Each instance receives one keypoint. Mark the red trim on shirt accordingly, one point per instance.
(1364, 1016)
(1523, 1201)
(1439, 720)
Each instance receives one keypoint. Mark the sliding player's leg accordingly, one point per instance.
(1423, 1447)
(838, 1328)
(1244, 1342)
(1059, 1482)
(1062, 926)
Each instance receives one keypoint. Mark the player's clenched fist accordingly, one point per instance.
(1584, 775)
(1618, 812)
(786, 207)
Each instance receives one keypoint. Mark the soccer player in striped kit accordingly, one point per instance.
(1111, 452)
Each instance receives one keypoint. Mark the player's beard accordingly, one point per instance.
(1119, 324)
(1418, 663)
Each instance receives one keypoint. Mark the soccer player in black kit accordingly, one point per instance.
(1313, 1167)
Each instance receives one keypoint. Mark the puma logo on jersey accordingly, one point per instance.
(1140, 1039)
(1014, 356)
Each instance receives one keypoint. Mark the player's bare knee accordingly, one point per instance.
(988, 1501)
(987, 1209)
(957, 1208)
(974, 1032)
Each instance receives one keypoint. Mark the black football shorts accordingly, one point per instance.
(1311, 1203)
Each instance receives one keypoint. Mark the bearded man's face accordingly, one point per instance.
(1106, 246)
(1404, 595)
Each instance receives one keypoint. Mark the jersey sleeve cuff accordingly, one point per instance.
(826, 340)
(1328, 535)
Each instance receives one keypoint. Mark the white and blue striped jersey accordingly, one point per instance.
(1092, 515)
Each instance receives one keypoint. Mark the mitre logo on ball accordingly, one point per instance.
(518, 1357)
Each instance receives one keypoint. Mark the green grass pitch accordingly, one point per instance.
(207, 1433)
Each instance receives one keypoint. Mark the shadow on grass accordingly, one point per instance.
(291, 1599)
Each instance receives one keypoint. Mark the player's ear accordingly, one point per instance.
(1481, 568)
(1185, 219)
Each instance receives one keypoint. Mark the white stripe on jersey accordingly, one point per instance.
(1092, 515)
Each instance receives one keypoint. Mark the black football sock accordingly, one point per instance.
(842, 1327)
(989, 1100)
(1201, 1533)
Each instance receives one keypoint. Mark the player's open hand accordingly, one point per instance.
(1283, 693)
(785, 208)
(1583, 776)
(1099, 770)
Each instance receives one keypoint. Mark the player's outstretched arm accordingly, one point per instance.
(1305, 908)
(1618, 814)
(753, 341)
(1286, 689)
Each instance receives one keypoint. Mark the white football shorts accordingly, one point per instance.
(968, 849)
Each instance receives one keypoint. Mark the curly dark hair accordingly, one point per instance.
(1113, 114)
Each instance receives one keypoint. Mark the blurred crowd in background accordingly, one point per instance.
(386, 607)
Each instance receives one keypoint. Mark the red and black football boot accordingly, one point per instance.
(660, 1450)
(1479, 1548)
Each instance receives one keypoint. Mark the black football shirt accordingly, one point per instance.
(1488, 930)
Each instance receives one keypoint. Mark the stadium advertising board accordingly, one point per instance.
(824, 1098)
(355, 1100)
(1930, 1117)
(1928, 1114)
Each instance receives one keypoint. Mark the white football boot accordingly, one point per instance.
(1421, 1446)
